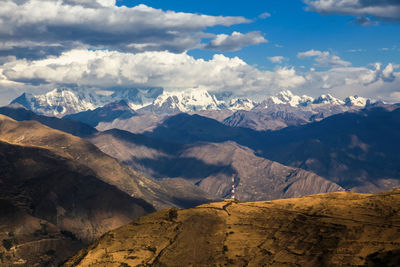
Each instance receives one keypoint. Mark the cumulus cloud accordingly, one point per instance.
(100, 24)
(388, 10)
(386, 74)
(234, 42)
(104, 69)
(277, 59)
(376, 82)
(324, 58)
(91, 3)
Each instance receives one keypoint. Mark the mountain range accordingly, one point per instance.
(356, 150)
(347, 149)
(64, 101)
(210, 166)
(97, 166)
(141, 110)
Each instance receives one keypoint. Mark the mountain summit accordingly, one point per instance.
(193, 99)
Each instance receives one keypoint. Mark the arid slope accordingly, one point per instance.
(108, 169)
(210, 166)
(335, 229)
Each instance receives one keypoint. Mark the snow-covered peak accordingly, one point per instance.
(58, 102)
(63, 101)
(287, 97)
(305, 100)
(58, 97)
(193, 99)
(356, 101)
(328, 99)
(137, 97)
(241, 104)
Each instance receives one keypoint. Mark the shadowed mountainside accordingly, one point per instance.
(357, 150)
(76, 128)
(30, 241)
(336, 229)
(210, 166)
(61, 191)
(109, 170)
(270, 116)
(108, 113)
(52, 205)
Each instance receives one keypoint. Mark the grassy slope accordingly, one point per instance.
(336, 229)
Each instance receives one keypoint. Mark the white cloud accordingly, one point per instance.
(101, 24)
(277, 59)
(395, 97)
(324, 58)
(104, 70)
(386, 74)
(388, 10)
(375, 82)
(365, 21)
(236, 41)
(264, 15)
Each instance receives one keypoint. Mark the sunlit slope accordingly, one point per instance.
(336, 229)
(108, 169)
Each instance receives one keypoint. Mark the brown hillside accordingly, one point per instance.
(336, 229)
(210, 166)
(50, 206)
(30, 241)
(108, 169)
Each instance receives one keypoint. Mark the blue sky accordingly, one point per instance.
(291, 29)
(313, 47)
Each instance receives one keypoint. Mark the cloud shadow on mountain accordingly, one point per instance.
(351, 149)
(189, 168)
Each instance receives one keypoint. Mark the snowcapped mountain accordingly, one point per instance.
(58, 102)
(356, 101)
(135, 97)
(63, 101)
(286, 109)
(328, 99)
(241, 104)
(194, 99)
(287, 97)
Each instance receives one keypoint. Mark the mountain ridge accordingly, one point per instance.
(332, 229)
(65, 101)
(210, 166)
(105, 167)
